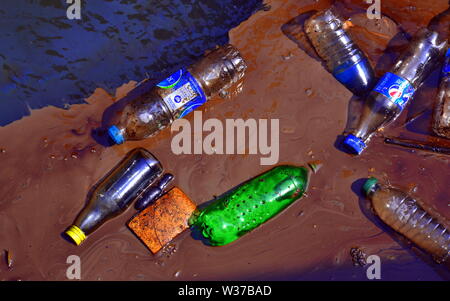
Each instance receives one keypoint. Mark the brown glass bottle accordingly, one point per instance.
(115, 192)
(178, 95)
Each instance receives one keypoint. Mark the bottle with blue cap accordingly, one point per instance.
(343, 58)
(441, 123)
(178, 95)
(395, 89)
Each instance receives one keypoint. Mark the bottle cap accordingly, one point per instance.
(354, 144)
(370, 182)
(116, 134)
(76, 234)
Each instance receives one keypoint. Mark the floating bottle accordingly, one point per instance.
(441, 118)
(343, 58)
(251, 204)
(114, 193)
(393, 91)
(178, 95)
(406, 216)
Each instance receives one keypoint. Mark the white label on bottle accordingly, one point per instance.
(180, 97)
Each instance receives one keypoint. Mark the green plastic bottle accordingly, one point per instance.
(251, 204)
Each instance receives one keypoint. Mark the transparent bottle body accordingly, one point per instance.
(116, 191)
(441, 124)
(407, 216)
(413, 67)
(343, 58)
(378, 112)
(144, 117)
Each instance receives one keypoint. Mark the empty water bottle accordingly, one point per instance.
(178, 95)
(393, 91)
(441, 124)
(407, 216)
(343, 58)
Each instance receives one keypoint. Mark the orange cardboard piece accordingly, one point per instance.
(163, 220)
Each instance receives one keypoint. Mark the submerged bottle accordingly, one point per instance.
(116, 192)
(441, 118)
(393, 91)
(251, 204)
(178, 95)
(343, 58)
(406, 216)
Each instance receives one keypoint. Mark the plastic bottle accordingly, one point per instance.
(441, 124)
(251, 204)
(343, 58)
(405, 215)
(116, 192)
(178, 95)
(393, 91)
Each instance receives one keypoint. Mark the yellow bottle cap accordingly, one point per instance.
(76, 234)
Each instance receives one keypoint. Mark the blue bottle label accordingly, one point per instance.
(397, 89)
(446, 68)
(183, 94)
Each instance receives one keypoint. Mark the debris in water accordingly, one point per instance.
(358, 257)
(8, 258)
(418, 145)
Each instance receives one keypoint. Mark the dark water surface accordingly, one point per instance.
(47, 59)
(50, 160)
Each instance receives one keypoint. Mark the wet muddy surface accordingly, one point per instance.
(51, 159)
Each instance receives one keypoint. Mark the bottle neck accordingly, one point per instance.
(371, 191)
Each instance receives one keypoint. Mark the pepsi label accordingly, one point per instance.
(397, 89)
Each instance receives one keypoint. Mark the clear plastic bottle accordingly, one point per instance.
(406, 216)
(343, 58)
(178, 95)
(114, 193)
(393, 91)
(441, 118)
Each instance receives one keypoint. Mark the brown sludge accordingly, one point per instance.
(162, 221)
(44, 187)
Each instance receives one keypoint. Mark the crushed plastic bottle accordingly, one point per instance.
(251, 204)
(178, 95)
(114, 193)
(441, 118)
(394, 90)
(406, 216)
(343, 58)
